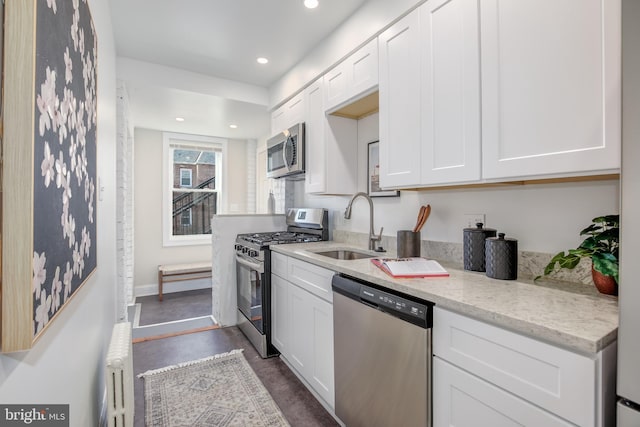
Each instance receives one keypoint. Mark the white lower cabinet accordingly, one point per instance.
(486, 375)
(312, 341)
(280, 323)
(464, 400)
(302, 323)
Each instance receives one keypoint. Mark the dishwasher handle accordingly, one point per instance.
(346, 286)
(408, 308)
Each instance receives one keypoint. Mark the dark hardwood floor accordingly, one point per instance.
(174, 306)
(296, 402)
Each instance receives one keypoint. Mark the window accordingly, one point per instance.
(185, 177)
(193, 166)
(185, 218)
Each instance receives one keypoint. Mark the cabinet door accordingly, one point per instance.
(355, 76)
(295, 110)
(550, 87)
(312, 278)
(450, 91)
(321, 368)
(335, 86)
(363, 69)
(316, 161)
(342, 155)
(280, 322)
(300, 342)
(399, 98)
(332, 148)
(278, 121)
(464, 400)
(558, 380)
(279, 264)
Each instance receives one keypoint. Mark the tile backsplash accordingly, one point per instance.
(530, 264)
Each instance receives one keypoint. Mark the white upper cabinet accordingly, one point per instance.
(331, 147)
(295, 110)
(450, 91)
(315, 147)
(277, 120)
(399, 94)
(292, 112)
(355, 76)
(550, 87)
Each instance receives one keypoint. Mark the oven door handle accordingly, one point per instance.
(257, 266)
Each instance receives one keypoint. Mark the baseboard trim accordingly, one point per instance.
(175, 334)
(170, 287)
(172, 327)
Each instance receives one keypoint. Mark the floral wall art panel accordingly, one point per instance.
(49, 241)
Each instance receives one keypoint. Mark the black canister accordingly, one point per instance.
(473, 245)
(501, 257)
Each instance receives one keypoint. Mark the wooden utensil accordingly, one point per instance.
(425, 211)
(420, 215)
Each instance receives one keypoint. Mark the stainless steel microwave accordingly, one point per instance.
(285, 152)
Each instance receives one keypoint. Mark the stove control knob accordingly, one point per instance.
(252, 253)
(238, 247)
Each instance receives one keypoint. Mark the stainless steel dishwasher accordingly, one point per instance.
(382, 355)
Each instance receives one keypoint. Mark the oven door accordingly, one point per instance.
(251, 280)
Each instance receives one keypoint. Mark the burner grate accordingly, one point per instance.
(279, 237)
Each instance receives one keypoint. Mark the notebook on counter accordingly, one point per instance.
(410, 267)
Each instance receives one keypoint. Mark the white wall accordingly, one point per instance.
(66, 364)
(148, 249)
(543, 217)
(237, 176)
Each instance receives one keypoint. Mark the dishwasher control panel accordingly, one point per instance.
(394, 302)
(408, 308)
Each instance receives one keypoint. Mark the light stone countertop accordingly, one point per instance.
(581, 322)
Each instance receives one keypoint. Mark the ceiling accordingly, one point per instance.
(219, 38)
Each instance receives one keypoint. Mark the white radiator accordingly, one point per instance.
(119, 370)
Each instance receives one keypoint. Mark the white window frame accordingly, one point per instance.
(169, 141)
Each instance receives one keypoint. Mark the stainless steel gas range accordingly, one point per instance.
(253, 267)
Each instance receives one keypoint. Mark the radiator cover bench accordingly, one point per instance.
(177, 272)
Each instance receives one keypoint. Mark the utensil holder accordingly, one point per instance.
(408, 244)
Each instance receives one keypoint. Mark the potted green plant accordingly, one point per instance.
(602, 246)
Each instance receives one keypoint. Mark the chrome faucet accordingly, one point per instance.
(347, 215)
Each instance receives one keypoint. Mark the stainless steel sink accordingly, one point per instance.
(345, 254)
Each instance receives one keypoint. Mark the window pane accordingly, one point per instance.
(192, 212)
(200, 165)
(185, 177)
(185, 219)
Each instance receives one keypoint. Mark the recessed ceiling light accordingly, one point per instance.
(233, 126)
(262, 60)
(311, 4)
(179, 119)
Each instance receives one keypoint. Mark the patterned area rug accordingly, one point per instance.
(221, 390)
